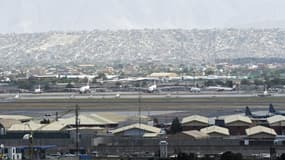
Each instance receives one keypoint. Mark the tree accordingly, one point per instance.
(175, 126)
(227, 156)
(185, 156)
(69, 85)
(209, 72)
(229, 83)
(282, 156)
(245, 82)
(258, 82)
(231, 156)
(118, 84)
(46, 87)
(102, 76)
(210, 83)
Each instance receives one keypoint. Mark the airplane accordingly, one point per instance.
(38, 90)
(264, 94)
(250, 114)
(17, 96)
(85, 89)
(154, 88)
(150, 89)
(219, 88)
(82, 90)
(273, 111)
(195, 89)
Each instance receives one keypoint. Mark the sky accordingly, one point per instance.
(74, 15)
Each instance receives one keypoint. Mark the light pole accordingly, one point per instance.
(30, 138)
(2, 151)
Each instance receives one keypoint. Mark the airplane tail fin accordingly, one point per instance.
(234, 87)
(247, 111)
(88, 81)
(271, 108)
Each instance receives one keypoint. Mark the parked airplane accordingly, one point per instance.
(38, 90)
(17, 96)
(150, 89)
(273, 111)
(195, 89)
(85, 89)
(219, 88)
(264, 94)
(250, 114)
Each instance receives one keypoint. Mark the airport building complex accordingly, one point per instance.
(113, 134)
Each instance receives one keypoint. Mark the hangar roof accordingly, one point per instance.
(215, 129)
(137, 126)
(197, 118)
(260, 129)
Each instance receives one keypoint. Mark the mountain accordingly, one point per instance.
(140, 46)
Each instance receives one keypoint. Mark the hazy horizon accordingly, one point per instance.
(23, 16)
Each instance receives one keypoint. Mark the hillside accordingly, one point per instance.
(127, 46)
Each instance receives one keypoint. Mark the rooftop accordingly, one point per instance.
(197, 118)
(235, 118)
(260, 129)
(275, 119)
(137, 126)
(215, 129)
(196, 134)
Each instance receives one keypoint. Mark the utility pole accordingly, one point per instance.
(77, 129)
(139, 104)
(30, 138)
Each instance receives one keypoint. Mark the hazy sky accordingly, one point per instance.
(46, 15)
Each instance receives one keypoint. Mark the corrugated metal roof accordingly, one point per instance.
(88, 119)
(7, 123)
(85, 119)
(215, 129)
(196, 134)
(16, 117)
(275, 119)
(53, 126)
(150, 135)
(260, 129)
(235, 118)
(137, 126)
(197, 118)
(28, 126)
(86, 128)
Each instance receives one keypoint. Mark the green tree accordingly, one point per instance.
(282, 157)
(46, 87)
(210, 83)
(229, 83)
(102, 75)
(209, 72)
(231, 156)
(69, 85)
(258, 82)
(245, 82)
(175, 126)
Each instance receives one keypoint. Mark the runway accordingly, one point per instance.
(111, 101)
(127, 95)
